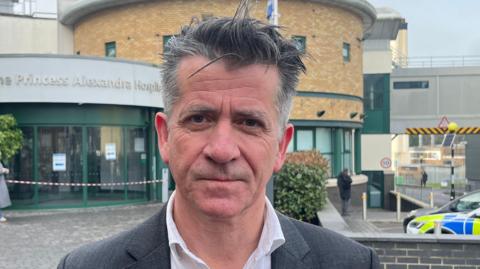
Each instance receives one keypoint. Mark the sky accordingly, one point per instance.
(439, 27)
(435, 27)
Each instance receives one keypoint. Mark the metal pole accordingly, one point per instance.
(165, 185)
(275, 12)
(353, 152)
(437, 227)
(399, 205)
(364, 203)
(452, 175)
(431, 199)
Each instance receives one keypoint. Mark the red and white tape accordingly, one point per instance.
(83, 184)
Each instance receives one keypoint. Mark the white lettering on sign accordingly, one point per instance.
(101, 83)
(149, 87)
(31, 80)
(5, 81)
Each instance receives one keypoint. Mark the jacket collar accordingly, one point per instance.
(148, 245)
(292, 253)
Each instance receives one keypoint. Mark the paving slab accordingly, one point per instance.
(39, 239)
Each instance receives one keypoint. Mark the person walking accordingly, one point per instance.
(344, 182)
(4, 197)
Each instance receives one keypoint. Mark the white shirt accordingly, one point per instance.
(271, 239)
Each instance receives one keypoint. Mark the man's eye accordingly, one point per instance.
(250, 123)
(197, 118)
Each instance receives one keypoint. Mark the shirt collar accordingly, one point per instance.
(271, 238)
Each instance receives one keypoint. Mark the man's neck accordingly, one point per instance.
(220, 242)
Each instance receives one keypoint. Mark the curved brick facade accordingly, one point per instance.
(138, 31)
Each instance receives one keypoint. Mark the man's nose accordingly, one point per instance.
(221, 145)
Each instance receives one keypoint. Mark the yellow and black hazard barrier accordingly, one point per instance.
(440, 131)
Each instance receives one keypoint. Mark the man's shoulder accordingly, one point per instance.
(99, 254)
(328, 248)
(120, 250)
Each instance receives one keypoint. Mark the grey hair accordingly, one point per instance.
(240, 42)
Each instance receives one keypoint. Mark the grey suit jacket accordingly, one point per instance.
(146, 246)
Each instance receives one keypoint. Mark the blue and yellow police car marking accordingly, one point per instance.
(457, 223)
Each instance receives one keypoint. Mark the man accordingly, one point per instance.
(424, 178)
(229, 85)
(344, 182)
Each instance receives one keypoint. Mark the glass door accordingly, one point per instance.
(59, 152)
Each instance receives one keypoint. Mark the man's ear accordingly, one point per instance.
(282, 147)
(162, 135)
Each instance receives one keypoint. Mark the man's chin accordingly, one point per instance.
(221, 208)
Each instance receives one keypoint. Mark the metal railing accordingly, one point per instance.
(436, 61)
(25, 8)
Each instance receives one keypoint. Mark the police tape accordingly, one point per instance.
(83, 184)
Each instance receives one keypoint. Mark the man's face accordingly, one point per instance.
(222, 139)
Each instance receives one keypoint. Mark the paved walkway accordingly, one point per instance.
(39, 239)
(378, 220)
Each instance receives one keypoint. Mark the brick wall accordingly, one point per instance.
(400, 251)
(138, 31)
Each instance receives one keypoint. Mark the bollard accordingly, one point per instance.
(399, 205)
(364, 203)
(437, 227)
(431, 200)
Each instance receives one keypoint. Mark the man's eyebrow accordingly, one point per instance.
(251, 113)
(202, 109)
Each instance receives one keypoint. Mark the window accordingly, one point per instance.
(166, 38)
(413, 141)
(402, 85)
(346, 52)
(323, 143)
(300, 43)
(304, 140)
(111, 49)
(438, 139)
(374, 88)
(426, 140)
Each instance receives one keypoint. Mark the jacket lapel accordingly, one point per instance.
(148, 246)
(292, 254)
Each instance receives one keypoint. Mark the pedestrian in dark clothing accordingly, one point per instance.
(344, 181)
(424, 178)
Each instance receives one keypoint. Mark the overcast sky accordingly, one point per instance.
(439, 27)
(435, 27)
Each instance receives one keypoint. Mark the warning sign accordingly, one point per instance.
(443, 122)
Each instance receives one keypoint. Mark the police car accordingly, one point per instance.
(450, 223)
(466, 203)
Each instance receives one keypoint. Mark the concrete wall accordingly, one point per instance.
(375, 148)
(452, 92)
(377, 57)
(65, 39)
(28, 35)
(402, 251)
(138, 31)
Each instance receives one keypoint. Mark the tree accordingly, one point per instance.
(11, 137)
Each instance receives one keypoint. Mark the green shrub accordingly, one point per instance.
(11, 137)
(300, 187)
